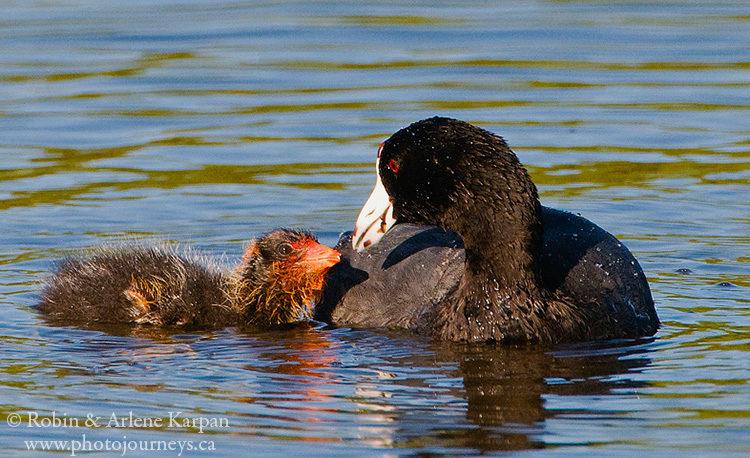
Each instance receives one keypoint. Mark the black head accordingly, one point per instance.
(446, 172)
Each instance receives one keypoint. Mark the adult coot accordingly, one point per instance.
(280, 274)
(482, 259)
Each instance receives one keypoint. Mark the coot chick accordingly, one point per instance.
(280, 273)
(499, 266)
(279, 276)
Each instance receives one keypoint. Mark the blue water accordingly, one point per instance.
(210, 123)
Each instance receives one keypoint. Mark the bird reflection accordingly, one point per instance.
(507, 388)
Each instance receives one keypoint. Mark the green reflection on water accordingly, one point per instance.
(562, 64)
(170, 179)
(580, 178)
(443, 105)
(531, 85)
(146, 62)
(396, 20)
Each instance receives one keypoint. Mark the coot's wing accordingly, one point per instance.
(588, 264)
(392, 282)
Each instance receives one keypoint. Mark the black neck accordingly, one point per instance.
(502, 247)
(500, 295)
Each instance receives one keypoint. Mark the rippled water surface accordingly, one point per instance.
(212, 122)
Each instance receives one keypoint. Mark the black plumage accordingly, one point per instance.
(500, 267)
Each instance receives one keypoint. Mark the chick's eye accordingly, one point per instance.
(285, 249)
(393, 166)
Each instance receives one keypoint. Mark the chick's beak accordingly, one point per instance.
(375, 218)
(320, 257)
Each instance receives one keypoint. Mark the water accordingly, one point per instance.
(210, 122)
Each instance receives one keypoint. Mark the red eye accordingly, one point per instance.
(393, 166)
(380, 150)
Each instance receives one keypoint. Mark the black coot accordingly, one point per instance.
(498, 266)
